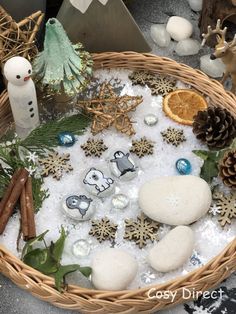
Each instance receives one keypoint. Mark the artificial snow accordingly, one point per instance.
(210, 238)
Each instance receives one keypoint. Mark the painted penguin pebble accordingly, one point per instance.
(123, 165)
(97, 183)
(79, 207)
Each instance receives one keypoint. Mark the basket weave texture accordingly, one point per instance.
(129, 301)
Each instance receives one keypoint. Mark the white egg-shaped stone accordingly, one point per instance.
(97, 182)
(175, 200)
(179, 28)
(123, 165)
(187, 47)
(160, 35)
(173, 250)
(113, 269)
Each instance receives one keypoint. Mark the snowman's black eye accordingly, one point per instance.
(29, 71)
(18, 77)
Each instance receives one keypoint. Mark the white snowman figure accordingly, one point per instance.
(22, 95)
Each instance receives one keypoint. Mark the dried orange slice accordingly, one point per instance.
(182, 105)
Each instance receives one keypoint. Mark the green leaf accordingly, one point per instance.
(29, 245)
(62, 272)
(203, 154)
(233, 145)
(209, 170)
(41, 260)
(58, 247)
(86, 271)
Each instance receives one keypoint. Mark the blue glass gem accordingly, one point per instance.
(183, 166)
(66, 139)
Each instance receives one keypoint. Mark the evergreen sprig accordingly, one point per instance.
(45, 136)
(39, 141)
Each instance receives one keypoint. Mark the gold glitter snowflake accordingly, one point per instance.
(142, 147)
(103, 229)
(55, 164)
(162, 85)
(94, 147)
(141, 230)
(173, 136)
(227, 205)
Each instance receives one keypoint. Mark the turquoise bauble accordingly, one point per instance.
(66, 139)
(183, 166)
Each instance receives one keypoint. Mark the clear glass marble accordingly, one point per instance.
(120, 201)
(81, 248)
(150, 119)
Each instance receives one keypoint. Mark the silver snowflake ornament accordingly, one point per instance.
(31, 170)
(215, 210)
(148, 277)
(32, 157)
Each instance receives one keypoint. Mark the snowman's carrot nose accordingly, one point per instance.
(26, 78)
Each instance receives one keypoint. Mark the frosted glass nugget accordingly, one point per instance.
(187, 47)
(159, 35)
(196, 5)
(22, 94)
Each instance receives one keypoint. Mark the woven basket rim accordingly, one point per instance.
(129, 301)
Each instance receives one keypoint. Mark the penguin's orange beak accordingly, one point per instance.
(26, 78)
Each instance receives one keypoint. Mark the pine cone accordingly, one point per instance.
(227, 169)
(215, 126)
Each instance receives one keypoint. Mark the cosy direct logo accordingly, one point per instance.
(186, 294)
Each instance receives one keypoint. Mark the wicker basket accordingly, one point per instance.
(129, 301)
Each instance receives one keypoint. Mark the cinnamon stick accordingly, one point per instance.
(30, 209)
(9, 190)
(24, 214)
(13, 198)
